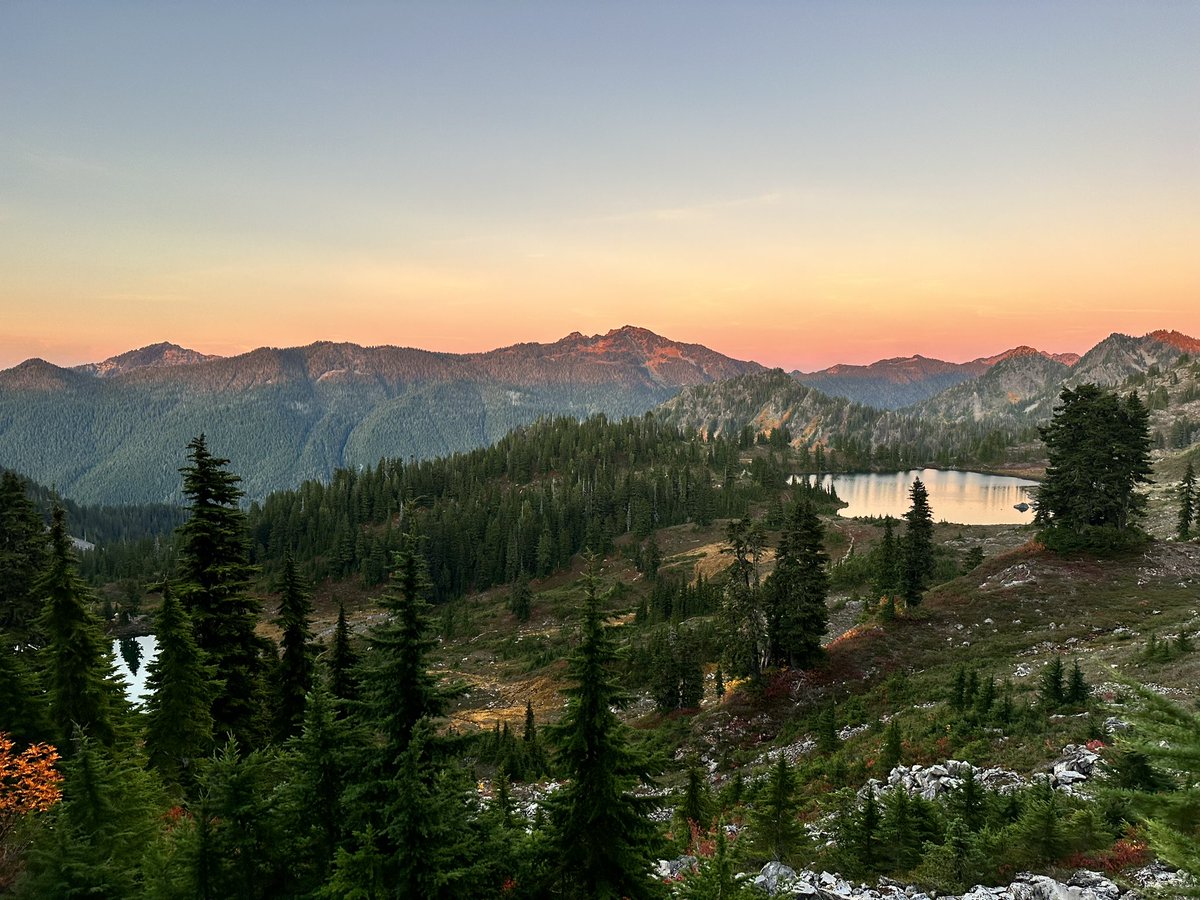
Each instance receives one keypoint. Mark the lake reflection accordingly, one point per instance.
(967, 498)
(133, 655)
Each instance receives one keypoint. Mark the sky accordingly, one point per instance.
(800, 183)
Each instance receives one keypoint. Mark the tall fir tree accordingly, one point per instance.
(215, 580)
(1187, 503)
(342, 661)
(398, 688)
(414, 800)
(317, 783)
(916, 564)
(603, 838)
(179, 725)
(294, 675)
(796, 590)
(23, 552)
(79, 677)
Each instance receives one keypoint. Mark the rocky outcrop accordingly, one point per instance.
(777, 880)
(1075, 765)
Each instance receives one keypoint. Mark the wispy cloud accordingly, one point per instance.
(694, 212)
(57, 165)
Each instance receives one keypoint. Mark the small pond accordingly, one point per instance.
(133, 655)
(965, 498)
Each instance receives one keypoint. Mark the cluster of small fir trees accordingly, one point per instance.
(779, 620)
(903, 565)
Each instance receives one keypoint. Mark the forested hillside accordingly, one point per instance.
(521, 508)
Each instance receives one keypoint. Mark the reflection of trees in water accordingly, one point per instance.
(131, 652)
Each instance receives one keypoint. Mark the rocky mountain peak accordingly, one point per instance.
(154, 356)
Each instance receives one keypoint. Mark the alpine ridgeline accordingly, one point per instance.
(110, 432)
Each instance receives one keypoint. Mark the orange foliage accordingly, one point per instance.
(28, 780)
(29, 783)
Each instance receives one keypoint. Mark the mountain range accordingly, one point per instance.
(115, 431)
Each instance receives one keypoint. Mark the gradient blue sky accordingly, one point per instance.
(799, 183)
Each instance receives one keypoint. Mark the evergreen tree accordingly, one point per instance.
(239, 844)
(887, 562)
(178, 711)
(520, 599)
(743, 616)
(317, 783)
(1099, 452)
(92, 842)
(795, 592)
(968, 802)
(342, 661)
(696, 806)
(827, 739)
(1167, 738)
(776, 833)
(78, 673)
(23, 551)
(1042, 832)
(859, 839)
(889, 755)
(216, 574)
(916, 563)
(1077, 691)
(1187, 502)
(898, 830)
(716, 878)
(22, 704)
(294, 676)
(1052, 691)
(603, 838)
(398, 689)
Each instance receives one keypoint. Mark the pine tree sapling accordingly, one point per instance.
(776, 833)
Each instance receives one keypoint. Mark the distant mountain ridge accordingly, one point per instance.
(114, 432)
(155, 356)
(904, 381)
(1017, 391)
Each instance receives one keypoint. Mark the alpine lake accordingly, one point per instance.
(964, 498)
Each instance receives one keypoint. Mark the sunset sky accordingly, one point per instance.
(799, 183)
